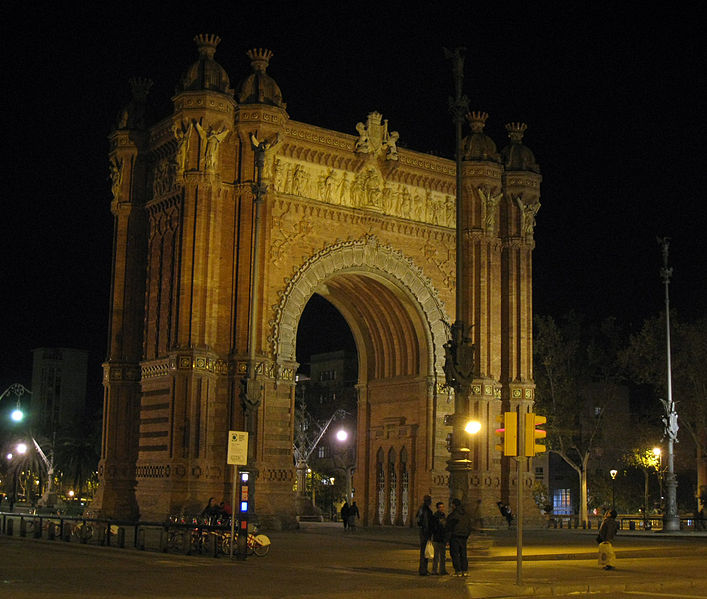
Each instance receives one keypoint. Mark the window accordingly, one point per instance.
(539, 473)
(562, 502)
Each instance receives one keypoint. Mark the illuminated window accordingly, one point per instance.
(562, 501)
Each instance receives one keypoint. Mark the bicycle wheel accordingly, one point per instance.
(261, 545)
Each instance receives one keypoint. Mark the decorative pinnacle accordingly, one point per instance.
(477, 121)
(516, 131)
(140, 87)
(207, 42)
(259, 58)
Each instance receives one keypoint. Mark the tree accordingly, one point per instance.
(646, 360)
(576, 375)
(77, 454)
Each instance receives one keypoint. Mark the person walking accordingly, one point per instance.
(353, 516)
(439, 540)
(345, 514)
(424, 523)
(607, 532)
(459, 528)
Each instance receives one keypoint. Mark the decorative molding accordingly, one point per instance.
(366, 255)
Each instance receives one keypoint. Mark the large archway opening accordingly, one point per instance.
(397, 326)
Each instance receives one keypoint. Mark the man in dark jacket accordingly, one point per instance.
(459, 528)
(439, 540)
(424, 522)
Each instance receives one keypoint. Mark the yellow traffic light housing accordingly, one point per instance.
(508, 434)
(532, 435)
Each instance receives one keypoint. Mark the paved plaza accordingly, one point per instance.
(321, 561)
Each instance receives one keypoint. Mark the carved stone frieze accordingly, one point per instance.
(366, 190)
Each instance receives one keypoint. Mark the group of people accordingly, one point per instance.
(215, 511)
(441, 530)
(349, 515)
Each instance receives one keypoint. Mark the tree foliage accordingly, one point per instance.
(576, 375)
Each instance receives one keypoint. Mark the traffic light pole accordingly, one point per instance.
(519, 526)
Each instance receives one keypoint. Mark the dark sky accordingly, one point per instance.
(614, 100)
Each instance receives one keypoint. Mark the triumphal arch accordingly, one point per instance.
(228, 216)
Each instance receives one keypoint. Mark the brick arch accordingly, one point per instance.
(366, 263)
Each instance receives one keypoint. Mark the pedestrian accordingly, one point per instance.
(424, 523)
(459, 527)
(345, 514)
(353, 516)
(439, 540)
(605, 538)
(506, 512)
(211, 511)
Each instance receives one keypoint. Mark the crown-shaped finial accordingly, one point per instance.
(140, 87)
(259, 58)
(477, 121)
(207, 42)
(516, 131)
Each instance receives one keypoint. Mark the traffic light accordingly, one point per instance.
(508, 434)
(532, 434)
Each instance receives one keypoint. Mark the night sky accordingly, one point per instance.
(614, 100)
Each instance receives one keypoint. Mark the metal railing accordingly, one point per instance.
(186, 535)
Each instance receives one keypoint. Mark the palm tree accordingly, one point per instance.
(77, 453)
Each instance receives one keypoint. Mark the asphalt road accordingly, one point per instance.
(320, 561)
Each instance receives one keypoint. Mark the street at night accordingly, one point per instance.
(321, 561)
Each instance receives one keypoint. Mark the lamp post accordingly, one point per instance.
(18, 390)
(613, 474)
(459, 363)
(20, 450)
(671, 520)
(342, 436)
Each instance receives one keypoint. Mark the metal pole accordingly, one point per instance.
(459, 351)
(671, 520)
(519, 510)
(233, 509)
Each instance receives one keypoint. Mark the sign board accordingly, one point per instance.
(237, 448)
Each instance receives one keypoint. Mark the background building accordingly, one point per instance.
(58, 387)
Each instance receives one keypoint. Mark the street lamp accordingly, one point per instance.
(671, 519)
(342, 436)
(20, 450)
(18, 390)
(613, 474)
(472, 427)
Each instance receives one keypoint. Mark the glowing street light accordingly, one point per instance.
(613, 474)
(472, 427)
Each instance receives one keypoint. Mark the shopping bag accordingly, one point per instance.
(607, 556)
(429, 550)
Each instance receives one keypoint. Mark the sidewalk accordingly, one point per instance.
(321, 561)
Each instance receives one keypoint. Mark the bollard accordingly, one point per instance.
(23, 527)
(51, 531)
(37, 533)
(9, 527)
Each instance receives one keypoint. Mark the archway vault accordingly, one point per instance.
(394, 312)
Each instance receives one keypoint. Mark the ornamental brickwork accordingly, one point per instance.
(352, 217)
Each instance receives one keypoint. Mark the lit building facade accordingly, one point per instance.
(208, 289)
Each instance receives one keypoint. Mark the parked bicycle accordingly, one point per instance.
(258, 544)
